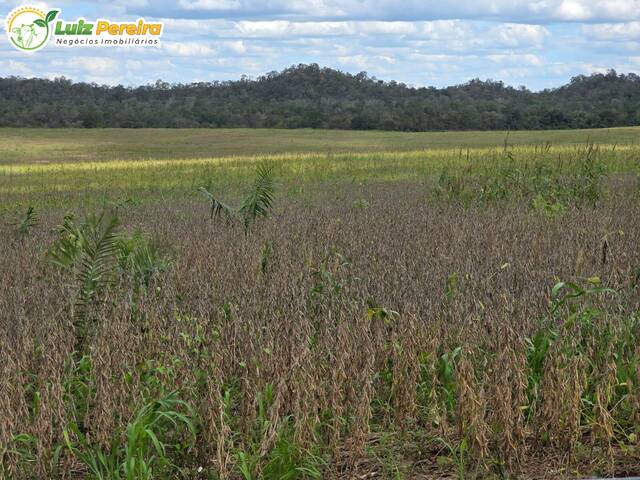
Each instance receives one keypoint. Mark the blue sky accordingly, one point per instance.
(536, 43)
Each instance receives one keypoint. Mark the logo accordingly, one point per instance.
(29, 29)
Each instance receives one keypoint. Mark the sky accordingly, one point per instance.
(536, 43)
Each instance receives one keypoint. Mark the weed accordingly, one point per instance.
(265, 255)
(98, 256)
(147, 448)
(25, 222)
(257, 202)
(88, 251)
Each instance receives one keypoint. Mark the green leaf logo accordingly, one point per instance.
(51, 16)
(29, 28)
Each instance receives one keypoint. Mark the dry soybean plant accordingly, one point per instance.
(408, 339)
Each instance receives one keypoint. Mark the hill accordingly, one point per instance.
(308, 96)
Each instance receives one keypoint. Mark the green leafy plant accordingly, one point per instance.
(258, 200)
(285, 460)
(140, 258)
(565, 293)
(331, 278)
(288, 461)
(148, 444)
(451, 287)
(78, 388)
(361, 204)
(218, 208)
(98, 256)
(25, 222)
(458, 455)
(537, 349)
(248, 458)
(446, 376)
(23, 447)
(454, 187)
(89, 252)
(265, 255)
(550, 208)
(587, 180)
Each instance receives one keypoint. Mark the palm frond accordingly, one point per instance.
(71, 239)
(217, 207)
(97, 261)
(259, 199)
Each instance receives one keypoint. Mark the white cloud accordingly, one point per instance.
(95, 66)
(590, 68)
(99, 66)
(280, 28)
(516, 35)
(15, 68)
(236, 46)
(210, 4)
(365, 62)
(284, 28)
(613, 32)
(517, 59)
(188, 49)
(517, 11)
(148, 65)
(421, 42)
(510, 74)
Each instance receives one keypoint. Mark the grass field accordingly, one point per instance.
(52, 166)
(237, 304)
(70, 145)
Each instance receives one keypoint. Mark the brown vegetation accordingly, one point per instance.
(370, 333)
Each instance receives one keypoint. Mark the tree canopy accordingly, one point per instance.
(308, 96)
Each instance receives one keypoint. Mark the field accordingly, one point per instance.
(65, 145)
(270, 304)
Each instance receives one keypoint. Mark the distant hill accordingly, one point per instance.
(308, 96)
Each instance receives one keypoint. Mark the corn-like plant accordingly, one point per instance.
(288, 461)
(575, 291)
(147, 448)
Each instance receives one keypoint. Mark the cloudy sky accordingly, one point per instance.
(536, 43)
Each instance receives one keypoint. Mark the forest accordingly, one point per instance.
(309, 96)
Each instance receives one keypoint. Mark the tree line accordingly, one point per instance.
(309, 96)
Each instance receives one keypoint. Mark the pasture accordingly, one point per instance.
(87, 145)
(270, 304)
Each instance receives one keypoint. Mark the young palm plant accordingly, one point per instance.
(258, 200)
(96, 255)
(89, 252)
